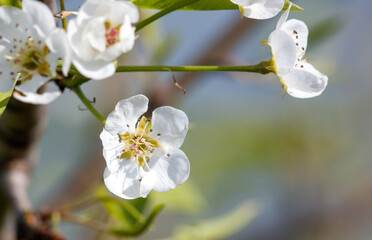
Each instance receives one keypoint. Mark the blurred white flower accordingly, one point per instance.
(143, 155)
(288, 45)
(30, 45)
(259, 9)
(101, 32)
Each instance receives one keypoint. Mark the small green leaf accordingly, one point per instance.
(123, 212)
(220, 227)
(140, 228)
(14, 3)
(4, 99)
(198, 5)
(294, 7)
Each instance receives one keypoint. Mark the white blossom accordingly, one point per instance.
(288, 45)
(30, 46)
(101, 32)
(143, 155)
(259, 9)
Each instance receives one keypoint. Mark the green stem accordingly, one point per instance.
(99, 226)
(263, 68)
(64, 20)
(259, 68)
(88, 104)
(163, 12)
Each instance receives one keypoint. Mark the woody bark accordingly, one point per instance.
(21, 127)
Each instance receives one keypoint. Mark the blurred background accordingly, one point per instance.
(263, 166)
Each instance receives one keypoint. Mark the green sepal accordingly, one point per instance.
(294, 7)
(4, 99)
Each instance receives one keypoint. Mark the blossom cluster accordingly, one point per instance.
(31, 45)
(141, 154)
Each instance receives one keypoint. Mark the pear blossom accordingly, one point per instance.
(101, 32)
(30, 46)
(143, 154)
(288, 45)
(259, 9)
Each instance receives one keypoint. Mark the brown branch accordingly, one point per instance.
(20, 129)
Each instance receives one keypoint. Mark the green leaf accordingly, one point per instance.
(201, 5)
(186, 199)
(221, 227)
(14, 3)
(4, 99)
(123, 212)
(198, 5)
(140, 228)
(294, 7)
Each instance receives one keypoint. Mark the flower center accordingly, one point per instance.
(29, 58)
(138, 145)
(112, 34)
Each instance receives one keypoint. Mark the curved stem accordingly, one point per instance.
(88, 104)
(163, 12)
(99, 226)
(64, 20)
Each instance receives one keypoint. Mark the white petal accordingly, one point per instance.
(88, 9)
(127, 36)
(116, 10)
(131, 10)
(284, 51)
(299, 32)
(96, 70)
(172, 124)
(40, 15)
(51, 93)
(123, 183)
(148, 182)
(95, 33)
(284, 17)
(58, 44)
(36, 98)
(79, 42)
(6, 83)
(263, 9)
(126, 112)
(111, 146)
(33, 84)
(171, 171)
(6, 79)
(13, 23)
(305, 81)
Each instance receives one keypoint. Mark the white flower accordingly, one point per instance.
(30, 45)
(143, 155)
(101, 33)
(288, 45)
(259, 9)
